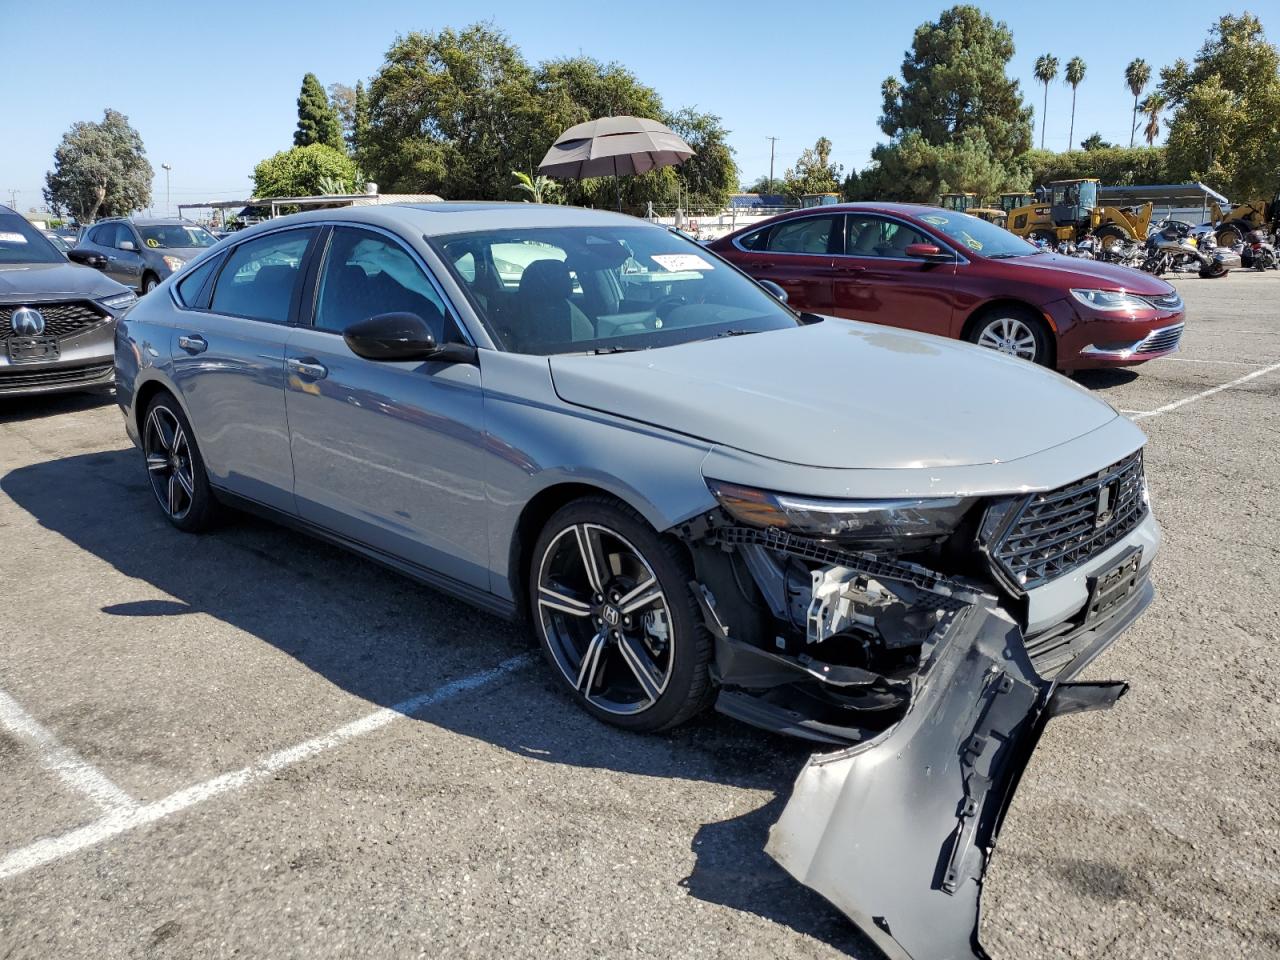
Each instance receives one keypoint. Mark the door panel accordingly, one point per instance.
(876, 282)
(390, 454)
(230, 368)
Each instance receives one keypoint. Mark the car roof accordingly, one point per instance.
(441, 218)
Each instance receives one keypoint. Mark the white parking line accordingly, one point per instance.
(58, 759)
(1234, 363)
(1169, 407)
(121, 821)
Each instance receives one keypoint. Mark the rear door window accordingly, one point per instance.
(262, 275)
(808, 235)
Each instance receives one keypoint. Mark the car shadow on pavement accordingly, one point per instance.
(387, 638)
(1103, 379)
(41, 406)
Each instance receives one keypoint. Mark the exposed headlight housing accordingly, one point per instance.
(1111, 300)
(173, 263)
(120, 300)
(904, 524)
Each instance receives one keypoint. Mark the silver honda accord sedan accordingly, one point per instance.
(899, 546)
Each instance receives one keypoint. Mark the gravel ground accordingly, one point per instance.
(499, 820)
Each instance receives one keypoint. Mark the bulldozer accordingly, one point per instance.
(1072, 210)
(1235, 224)
(1012, 201)
(969, 203)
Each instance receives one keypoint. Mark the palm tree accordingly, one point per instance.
(1151, 108)
(1136, 77)
(1046, 73)
(1073, 76)
(539, 188)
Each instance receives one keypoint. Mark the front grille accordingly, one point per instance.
(60, 319)
(1158, 341)
(23, 378)
(1049, 534)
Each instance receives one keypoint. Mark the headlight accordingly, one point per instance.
(120, 300)
(173, 263)
(909, 524)
(1114, 300)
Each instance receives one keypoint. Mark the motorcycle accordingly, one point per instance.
(1173, 249)
(1262, 253)
(1087, 248)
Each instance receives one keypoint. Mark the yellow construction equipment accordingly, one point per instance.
(1072, 211)
(1235, 224)
(968, 203)
(1012, 201)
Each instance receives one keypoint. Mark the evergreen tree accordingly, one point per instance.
(317, 121)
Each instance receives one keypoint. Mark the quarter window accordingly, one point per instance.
(366, 274)
(190, 286)
(877, 237)
(261, 276)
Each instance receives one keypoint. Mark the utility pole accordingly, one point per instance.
(166, 168)
(772, 143)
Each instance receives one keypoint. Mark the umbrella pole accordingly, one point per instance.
(616, 188)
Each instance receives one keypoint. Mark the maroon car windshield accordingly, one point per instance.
(976, 235)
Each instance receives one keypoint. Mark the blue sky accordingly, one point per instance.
(212, 88)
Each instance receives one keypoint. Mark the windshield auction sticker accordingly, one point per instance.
(19, 238)
(676, 262)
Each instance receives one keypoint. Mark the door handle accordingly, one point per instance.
(851, 268)
(308, 367)
(193, 343)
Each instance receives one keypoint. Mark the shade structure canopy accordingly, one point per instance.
(614, 146)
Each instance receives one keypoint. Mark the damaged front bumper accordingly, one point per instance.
(897, 832)
(897, 828)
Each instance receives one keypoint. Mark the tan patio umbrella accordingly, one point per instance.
(614, 145)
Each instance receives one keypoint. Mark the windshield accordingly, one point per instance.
(582, 289)
(975, 234)
(20, 242)
(169, 236)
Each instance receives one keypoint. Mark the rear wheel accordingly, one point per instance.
(1110, 236)
(175, 467)
(1213, 272)
(613, 611)
(1229, 237)
(1015, 332)
(150, 282)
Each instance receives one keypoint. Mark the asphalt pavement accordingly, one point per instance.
(251, 744)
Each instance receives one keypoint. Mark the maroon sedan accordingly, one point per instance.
(951, 274)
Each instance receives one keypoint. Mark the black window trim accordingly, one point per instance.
(296, 300)
(205, 294)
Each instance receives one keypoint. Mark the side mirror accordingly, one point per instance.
(87, 258)
(127, 245)
(927, 251)
(402, 336)
(774, 289)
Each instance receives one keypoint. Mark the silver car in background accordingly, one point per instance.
(899, 546)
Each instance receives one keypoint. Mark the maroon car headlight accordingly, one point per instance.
(1112, 300)
(904, 524)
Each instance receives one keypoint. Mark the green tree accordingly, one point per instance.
(317, 121)
(313, 170)
(1074, 76)
(915, 170)
(710, 175)
(1046, 72)
(452, 113)
(342, 99)
(1112, 165)
(955, 85)
(1095, 142)
(359, 120)
(1225, 128)
(813, 173)
(1136, 77)
(99, 169)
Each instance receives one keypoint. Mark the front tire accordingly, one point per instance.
(1015, 332)
(611, 605)
(149, 283)
(175, 467)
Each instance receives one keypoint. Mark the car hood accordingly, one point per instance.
(185, 253)
(1077, 272)
(35, 282)
(840, 394)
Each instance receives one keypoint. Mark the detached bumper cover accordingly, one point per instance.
(897, 832)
